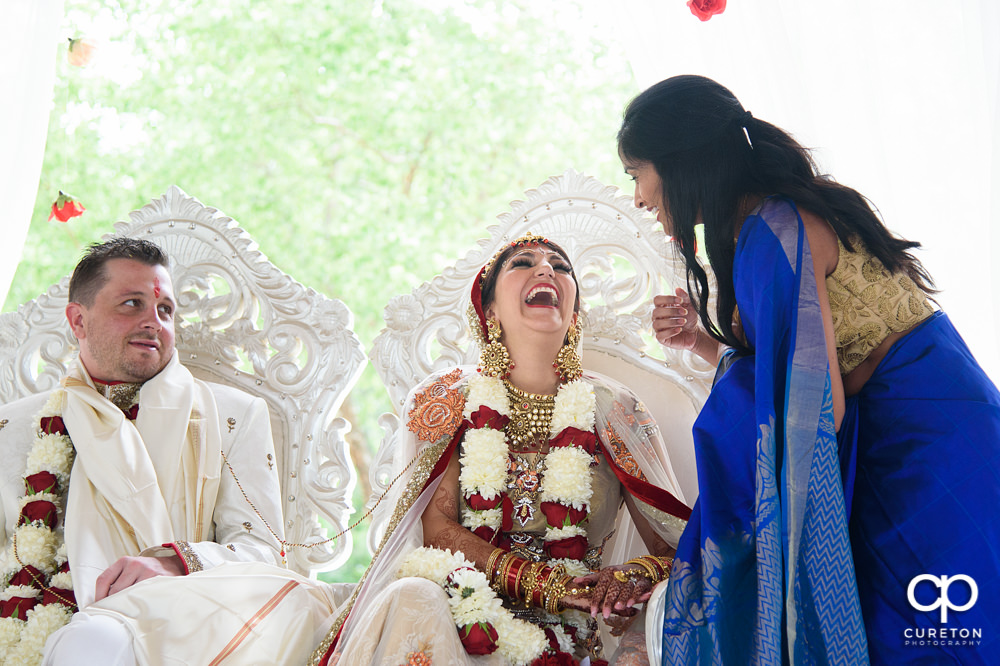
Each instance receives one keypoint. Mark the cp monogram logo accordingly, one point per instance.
(943, 601)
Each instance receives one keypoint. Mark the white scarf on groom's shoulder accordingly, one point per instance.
(142, 484)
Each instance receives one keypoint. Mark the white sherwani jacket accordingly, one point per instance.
(236, 533)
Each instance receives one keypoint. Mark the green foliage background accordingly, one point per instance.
(364, 145)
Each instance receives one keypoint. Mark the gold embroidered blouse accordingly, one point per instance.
(868, 304)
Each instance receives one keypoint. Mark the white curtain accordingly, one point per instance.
(898, 98)
(29, 42)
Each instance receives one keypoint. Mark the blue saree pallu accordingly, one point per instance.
(765, 572)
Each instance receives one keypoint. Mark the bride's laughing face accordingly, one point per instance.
(535, 289)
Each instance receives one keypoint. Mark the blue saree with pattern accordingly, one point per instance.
(775, 566)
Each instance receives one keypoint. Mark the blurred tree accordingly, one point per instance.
(364, 145)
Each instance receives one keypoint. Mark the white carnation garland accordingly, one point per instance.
(567, 480)
(568, 475)
(35, 544)
(473, 601)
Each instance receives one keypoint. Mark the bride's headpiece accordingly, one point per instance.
(494, 360)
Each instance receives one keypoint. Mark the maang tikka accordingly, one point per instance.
(568, 364)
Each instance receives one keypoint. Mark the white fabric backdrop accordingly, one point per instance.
(899, 99)
(29, 42)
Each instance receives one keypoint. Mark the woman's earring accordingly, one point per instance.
(567, 364)
(494, 359)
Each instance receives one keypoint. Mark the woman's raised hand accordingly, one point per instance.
(675, 321)
(676, 325)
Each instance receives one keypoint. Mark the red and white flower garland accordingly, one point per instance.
(483, 623)
(565, 493)
(566, 487)
(36, 592)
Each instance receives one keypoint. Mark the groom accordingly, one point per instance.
(120, 474)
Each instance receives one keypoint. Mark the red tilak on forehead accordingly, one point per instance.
(156, 287)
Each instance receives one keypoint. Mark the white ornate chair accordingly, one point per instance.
(244, 323)
(621, 258)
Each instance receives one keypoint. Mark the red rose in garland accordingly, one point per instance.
(477, 502)
(479, 638)
(41, 510)
(560, 515)
(66, 207)
(26, 576)
(573, 548)
(555, 659)
(17, 607)
(41, 482)
(706, 9)
(585, 439)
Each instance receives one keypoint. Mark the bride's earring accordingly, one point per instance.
(494, 359)
(568, 364)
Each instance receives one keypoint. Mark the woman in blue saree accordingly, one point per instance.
(849, 453)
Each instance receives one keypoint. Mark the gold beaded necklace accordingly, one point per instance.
(530, 416)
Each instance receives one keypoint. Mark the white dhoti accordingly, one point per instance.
(234, 614)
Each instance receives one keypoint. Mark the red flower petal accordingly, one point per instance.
(706, 9)
(486, 417)
(561, 515)
(42, 510)
(477, 502)
(573, 548)
(485, 533)
(42, 482)
(17, 607)
(58, 595)
(27, 576)
(479, 638)
(52, 425)
(585, 439)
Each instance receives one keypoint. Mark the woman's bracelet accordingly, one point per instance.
(654, 568)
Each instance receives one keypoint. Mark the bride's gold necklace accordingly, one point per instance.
(530, 417)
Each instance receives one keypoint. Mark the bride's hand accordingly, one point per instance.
(610, 594)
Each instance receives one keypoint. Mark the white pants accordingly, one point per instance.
(88, 640)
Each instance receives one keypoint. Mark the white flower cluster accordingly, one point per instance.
(55, 405)
(490, 518)
(486, 392)
(574, 568)
(575, 404)
(473, 601)
(51, 453)
(568, 478)
(22, 641)
(36, 546)
(483, 462)
(557, 533)
(39, 497)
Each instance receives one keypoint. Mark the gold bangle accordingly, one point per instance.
(491, 562)
(529, 580)
(555, 591)
(650, 571)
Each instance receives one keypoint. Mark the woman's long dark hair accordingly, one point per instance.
(692, 131)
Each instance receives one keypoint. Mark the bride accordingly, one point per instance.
(505, 544)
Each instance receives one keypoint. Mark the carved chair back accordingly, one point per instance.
(244, 323)
(622, 259)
